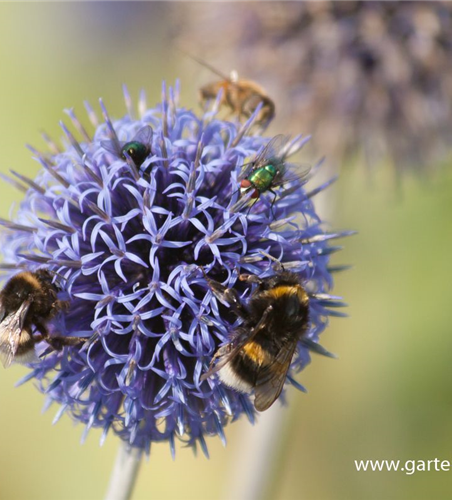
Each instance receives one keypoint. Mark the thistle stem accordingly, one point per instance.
(253, 469)
(124, 474)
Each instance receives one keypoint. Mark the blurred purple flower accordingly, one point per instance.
(128, 241)
(369, 78)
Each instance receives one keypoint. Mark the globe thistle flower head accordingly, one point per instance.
(127, 241)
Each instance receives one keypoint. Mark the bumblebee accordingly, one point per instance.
(29, 299)
(138, 149)
(259, 353)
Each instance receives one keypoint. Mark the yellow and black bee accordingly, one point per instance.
(261, 349)
(28, 299)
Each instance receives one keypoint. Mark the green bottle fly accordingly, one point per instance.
(136, 150)
(263, 177)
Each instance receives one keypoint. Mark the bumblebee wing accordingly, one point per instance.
(229, 351)
(111, 147)
(10, 331)
(144, 135)
(272, 152)
(271, 378)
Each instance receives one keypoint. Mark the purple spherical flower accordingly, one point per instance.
(128, 240)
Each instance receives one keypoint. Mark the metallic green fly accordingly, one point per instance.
(269, 169)
(138, 149)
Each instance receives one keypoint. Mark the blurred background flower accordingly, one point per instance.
(365, 78)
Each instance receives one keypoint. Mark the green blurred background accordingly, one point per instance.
(389, 396)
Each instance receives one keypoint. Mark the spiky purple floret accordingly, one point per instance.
(128, 243)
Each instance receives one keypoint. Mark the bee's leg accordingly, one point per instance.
(54, 344)
(230, 100)
(61, 305)
(213, 365)
(58, 306)
(57, 343)
(250, 278)
(277, 266)
(222, 351)
(41, 327)
(262, 323)
(228, 295)
(73, 340)
(39, 337)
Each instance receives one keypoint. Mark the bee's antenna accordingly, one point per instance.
(203, 272)
(56, 274)
(278, 266)
(206, 65)
(209, 280)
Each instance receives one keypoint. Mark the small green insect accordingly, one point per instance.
(138, 149)
(261, 179)
(269, 169)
